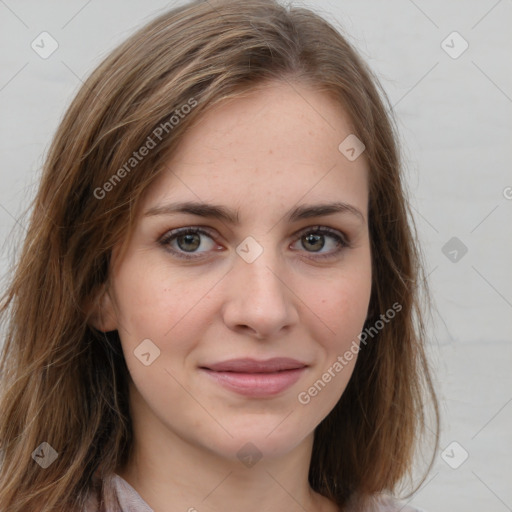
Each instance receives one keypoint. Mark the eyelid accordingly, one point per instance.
(172, 234)
(325, 230)
(341, 237)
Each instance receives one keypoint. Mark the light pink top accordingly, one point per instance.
(119, 496)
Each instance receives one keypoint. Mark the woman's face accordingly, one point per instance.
(266, 268)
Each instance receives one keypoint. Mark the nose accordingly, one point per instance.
(260, 301)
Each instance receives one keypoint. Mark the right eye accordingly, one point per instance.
(185, 242)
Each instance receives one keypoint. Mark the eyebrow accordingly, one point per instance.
(222, 213)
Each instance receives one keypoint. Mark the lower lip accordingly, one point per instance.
(257, 384)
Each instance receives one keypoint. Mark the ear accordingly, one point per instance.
(100, 311)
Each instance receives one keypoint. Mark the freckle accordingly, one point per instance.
(270, 152)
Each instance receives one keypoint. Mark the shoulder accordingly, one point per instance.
(128, 498)
(104, 495)
(114, 494)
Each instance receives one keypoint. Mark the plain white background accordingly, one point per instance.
(455, 118)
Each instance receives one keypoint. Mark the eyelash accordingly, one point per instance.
(339, 238)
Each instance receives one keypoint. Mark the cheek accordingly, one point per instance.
(340, 304)
(340, 308)
(162, 305)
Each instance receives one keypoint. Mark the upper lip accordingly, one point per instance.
(247, 365)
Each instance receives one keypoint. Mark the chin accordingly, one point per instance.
(269, 439)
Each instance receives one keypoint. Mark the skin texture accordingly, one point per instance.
(263, 154)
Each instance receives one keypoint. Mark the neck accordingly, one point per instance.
(178, 475)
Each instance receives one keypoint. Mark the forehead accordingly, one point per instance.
(276, 144)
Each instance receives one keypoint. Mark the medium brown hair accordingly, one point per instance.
(65, 383)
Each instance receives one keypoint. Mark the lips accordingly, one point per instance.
(275, 364)
(257, 379)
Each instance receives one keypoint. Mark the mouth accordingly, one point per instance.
(255, 378)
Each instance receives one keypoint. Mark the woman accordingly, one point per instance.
(217, 303)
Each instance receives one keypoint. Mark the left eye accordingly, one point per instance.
(314, 240)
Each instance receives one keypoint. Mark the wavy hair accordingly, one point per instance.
(65, 383)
